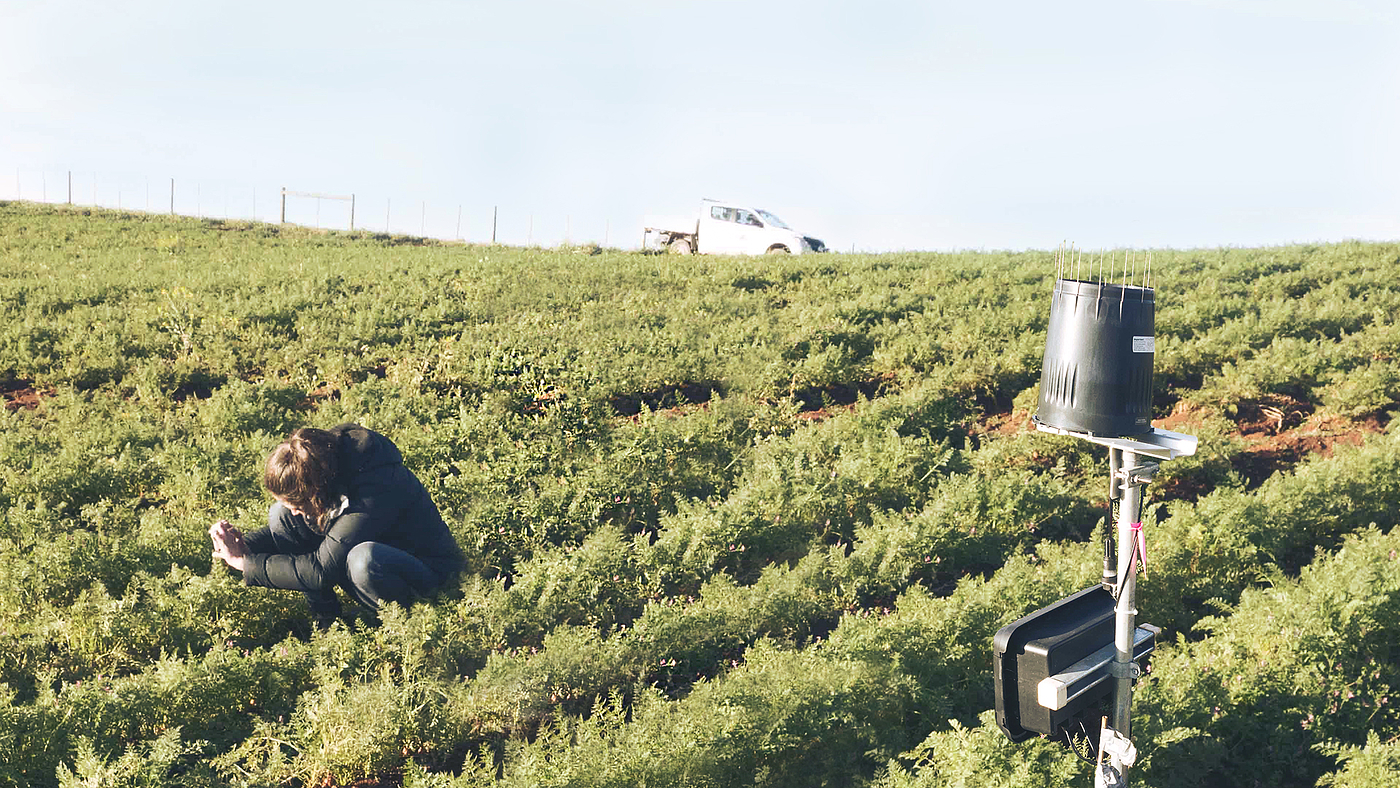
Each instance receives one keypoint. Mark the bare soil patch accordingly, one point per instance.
(818, 398)
(1270, 450)
(666, 397)
(19, 394)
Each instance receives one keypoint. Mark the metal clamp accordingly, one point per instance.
(1130, 670)
(1138, 475)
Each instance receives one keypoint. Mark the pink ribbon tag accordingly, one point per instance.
(1140, 546)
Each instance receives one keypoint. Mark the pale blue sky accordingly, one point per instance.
(873, 125)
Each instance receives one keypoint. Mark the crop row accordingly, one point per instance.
(794, 648)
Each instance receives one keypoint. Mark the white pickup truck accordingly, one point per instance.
(732, 228)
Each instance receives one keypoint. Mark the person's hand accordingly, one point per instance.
(228, 544)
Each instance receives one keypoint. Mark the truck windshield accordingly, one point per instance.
(773, 220)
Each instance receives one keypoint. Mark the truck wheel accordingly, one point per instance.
(680, 246)
(779, 250)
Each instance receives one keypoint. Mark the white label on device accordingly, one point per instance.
(1144, 344)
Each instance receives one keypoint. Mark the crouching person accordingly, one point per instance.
(348, 514)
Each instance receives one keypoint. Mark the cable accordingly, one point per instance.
(1081, 744)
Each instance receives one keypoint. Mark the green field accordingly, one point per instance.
(729, 521)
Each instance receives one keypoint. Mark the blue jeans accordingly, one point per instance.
(375, 573)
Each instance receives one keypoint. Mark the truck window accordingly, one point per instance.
(747, 218)
(721, 213)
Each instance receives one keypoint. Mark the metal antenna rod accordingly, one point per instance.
(1098, 294)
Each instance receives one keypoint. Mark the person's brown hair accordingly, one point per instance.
(302, 471)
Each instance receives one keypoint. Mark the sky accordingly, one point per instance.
(875, 126)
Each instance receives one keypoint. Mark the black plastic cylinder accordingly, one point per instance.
(1096, 375)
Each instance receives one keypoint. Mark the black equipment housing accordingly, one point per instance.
(1044, 644)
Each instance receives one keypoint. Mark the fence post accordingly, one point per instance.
(172, 196)
(283, 217)
(494, 210)
(352, 213)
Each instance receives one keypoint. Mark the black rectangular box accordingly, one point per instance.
(1069, 634)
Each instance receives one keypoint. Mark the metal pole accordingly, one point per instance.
(1125, 613)
(283, 218)
(70, 187)
(494, 209)
(352, 213)
(172, 196)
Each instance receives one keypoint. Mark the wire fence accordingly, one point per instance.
(212, 198)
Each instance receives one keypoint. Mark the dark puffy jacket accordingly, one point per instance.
(387, 504)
